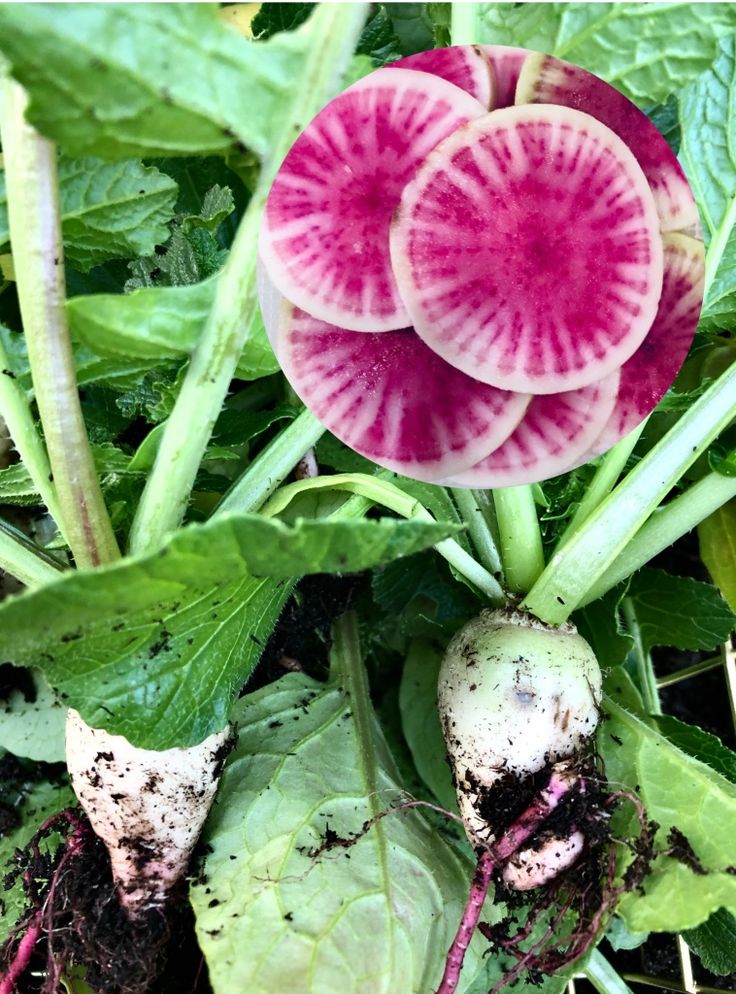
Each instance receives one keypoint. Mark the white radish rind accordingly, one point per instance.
(555, 432)
(547, 80)
(324, 238)
(649, 373)
(515, 696)
(527, 250)
(148, 807)
(506, 64)
(535, 867)
(392, 399)
(463, 65)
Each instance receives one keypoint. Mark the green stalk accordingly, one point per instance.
(606, 477)
(271, 467)
(664, 527)
(22, 558)
(166, 495)
(644, 668)
(35, 233)
(463, 23)
(480, 533)
(521, 539)
(575, 569)
(602, 975)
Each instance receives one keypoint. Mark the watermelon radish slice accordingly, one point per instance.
(648, 374)
(392, 399)
(506, 64)
(547, 80)
(555, 432)
(463, 65)
(527, 250)
(324, 238)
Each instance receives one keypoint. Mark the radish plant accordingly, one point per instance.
(482, 518)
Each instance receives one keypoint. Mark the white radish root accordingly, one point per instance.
(535, 867)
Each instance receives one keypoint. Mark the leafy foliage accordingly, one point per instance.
(717, 536)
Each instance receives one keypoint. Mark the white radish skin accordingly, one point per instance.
(147, 806)
(532, 868)
(514, 696)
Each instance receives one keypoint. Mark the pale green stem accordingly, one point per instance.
(387, 495)
(663, 529)
(718, 245)
(464, 23)
(606, 477)
(576, 569)
(20, 557)
(271, 466)
(35, 233)
(163, 504)
(602, 975)
(521, 539)
(16, 413)
(480, 533)
(645, 671)
(670, 679)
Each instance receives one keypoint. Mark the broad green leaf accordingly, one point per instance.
(679, 611)
(412, 25)
(155, 647)
(109, 210)
(714, 942)
(699, 744)
(122, 80)
(33, 803)
(310, 761)
(717, 535)
(600, 625)
(420, 720)
(646, 50)
(160, 323)
(678, 792)
(707, 121)
(34, 728)
(379, 40)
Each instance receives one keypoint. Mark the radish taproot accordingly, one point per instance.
(464, 65)
(324, 238)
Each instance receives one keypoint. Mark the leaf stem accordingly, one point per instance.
(271, 466)
(645, 670)
(718, 245)
(35, 232)
(472, 514)
(664, 527)
(188, 429)
(602, 975)
(521, 538)
(22, 558)
(463, 23)
(576, 569)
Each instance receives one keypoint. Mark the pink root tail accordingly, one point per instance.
(21, 960)
(468, 923)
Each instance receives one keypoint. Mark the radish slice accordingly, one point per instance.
(547, 80)
(649, 373)
(463, 65)
(527, 250)
(506, 64)
(555, 432)
(392, 399)
(324, 239)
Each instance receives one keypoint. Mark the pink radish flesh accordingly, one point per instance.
(392, 399)
(649, 373)
(463, 65)
(547, 80)
(555, 431)
(527, 250)
(324, 239)
(506, 64)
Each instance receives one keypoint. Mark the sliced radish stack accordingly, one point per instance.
(324, 239)
(506, 64)
(392, 399)
(527, 250)
(556, 430)
(463, 65)
(547, 80)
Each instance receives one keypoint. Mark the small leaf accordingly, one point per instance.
(717, 536)
(699, 744)
(714, 942)
(33, 728)
(600, 625)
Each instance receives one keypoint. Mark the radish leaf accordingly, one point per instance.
(717, 536)
(33, 728)
(714, 942)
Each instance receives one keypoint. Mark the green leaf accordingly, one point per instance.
(717, 535)
(158, 324)
(679, 792)
(666, 118)
(33, 728)
(679, 611)
(274, 17)
(647, 51)
(16, 486)
(184, 83)
(379, 40)
(707, 122)
(217, 205)
(412, 25)
(699, 744)
(714, 942)
(311, 760)
(600, 625)
(420, 720)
